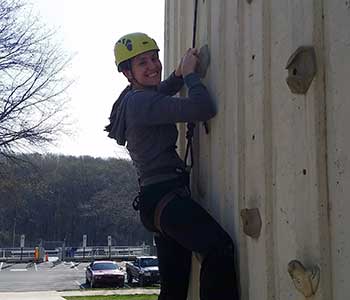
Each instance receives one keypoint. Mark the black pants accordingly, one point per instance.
(185, 228)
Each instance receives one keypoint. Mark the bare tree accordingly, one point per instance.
(32, 81)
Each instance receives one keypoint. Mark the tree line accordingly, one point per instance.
(61, 198)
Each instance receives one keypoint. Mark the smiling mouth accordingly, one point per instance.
(153, 75)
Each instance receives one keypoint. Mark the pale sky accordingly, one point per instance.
(88, 29)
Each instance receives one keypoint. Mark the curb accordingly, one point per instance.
(136, 291)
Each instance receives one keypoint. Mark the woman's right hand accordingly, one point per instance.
(189, 61)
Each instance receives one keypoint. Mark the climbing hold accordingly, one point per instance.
(306, 281)
(301, 69)
(204, 61)
(251, 222)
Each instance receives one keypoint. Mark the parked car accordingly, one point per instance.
(144, 269)
(104, 272)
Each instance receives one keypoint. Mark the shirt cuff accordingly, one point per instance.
(192, 80)
(177, 77)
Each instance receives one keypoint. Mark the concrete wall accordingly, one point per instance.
(285, 154)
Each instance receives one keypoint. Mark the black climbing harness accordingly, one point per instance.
(182, 180)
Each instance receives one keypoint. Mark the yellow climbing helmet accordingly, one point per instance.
(131, 45)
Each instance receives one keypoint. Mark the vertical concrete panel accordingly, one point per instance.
(282, 195)
(203, 166)
(299, 172)
(255, 50)
(182, 12)
(178, 38)
(216, 173)
(254, 90)
(230, 133)
(169, 37)
(217, 87)
(184, 15)
(337, 37)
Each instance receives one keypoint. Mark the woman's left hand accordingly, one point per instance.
(178, 70)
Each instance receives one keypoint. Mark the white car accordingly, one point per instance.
(104, 272)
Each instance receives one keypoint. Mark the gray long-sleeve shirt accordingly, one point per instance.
(146, 120)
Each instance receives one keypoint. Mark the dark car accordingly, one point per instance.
(144, 269)
(104, 272)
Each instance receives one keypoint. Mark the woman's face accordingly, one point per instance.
(146, 69)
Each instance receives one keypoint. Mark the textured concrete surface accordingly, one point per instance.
(283, 154)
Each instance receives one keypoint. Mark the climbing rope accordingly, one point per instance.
(194, 24)
(191, 125)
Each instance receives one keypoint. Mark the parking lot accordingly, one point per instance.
(47, 276)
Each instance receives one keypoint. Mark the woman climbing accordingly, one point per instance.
(144, 119)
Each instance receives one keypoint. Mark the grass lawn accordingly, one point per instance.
(114, 297)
